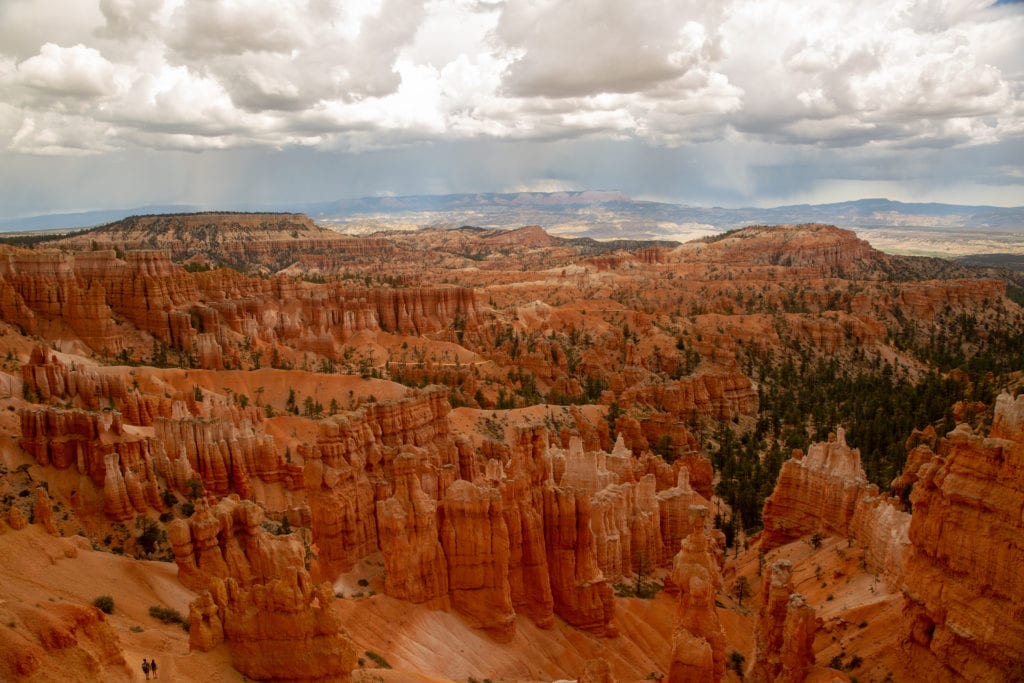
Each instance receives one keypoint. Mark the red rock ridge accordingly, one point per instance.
(476, 544)
(414, 561)
(964, 585)
(225, 541)
(827, 492)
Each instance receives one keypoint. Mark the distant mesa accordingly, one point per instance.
(244, 241)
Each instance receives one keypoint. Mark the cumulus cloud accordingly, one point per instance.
(370, 74)
(566, 48)
(77, 71)
(895, 73)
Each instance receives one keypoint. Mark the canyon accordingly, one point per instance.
(502, 455)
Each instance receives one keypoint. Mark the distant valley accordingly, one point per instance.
(946, 230)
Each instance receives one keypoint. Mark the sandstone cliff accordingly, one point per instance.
(964, 587)
(257, 597)
(826, 492)
(476, 544)
(225, 541)
(285, 629)
(414, 561)
(822, 249)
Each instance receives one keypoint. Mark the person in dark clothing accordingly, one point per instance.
(152, 667)
(145, 668)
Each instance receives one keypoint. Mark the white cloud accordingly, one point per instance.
(76, 71)
(375, 73)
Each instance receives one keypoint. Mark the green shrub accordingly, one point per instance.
(378, 660)
(104, 603)
(168, 615)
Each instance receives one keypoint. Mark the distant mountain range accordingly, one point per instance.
(859, 213)
(596, 214)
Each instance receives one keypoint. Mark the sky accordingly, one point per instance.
(123, 103)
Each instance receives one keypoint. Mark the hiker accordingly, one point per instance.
(145, 668)
(152, 667)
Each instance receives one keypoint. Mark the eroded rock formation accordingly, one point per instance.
(964, 586)
(225, 541)
(698, 642)
(283, 630)
(414, 561)
(476, 545)
(258, 597)
(826, 492)
(785, 630)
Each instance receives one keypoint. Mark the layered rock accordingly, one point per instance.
(529, 472)
(414, 561)
(815, 493)
(475, 540)
(342, 509)
(721, 395)
(814, 248)
(581, 594)
(698, 641)
(284, 629)
(50, 378)
(626, 523)
(826, 492)
(95, 445)
(206, 317)
(785, 630)
(964, 587)
(225, 456)
(676, 522)
(225, 541)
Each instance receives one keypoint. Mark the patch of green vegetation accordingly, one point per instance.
(104, 603)
(168, 615)
(378, 660)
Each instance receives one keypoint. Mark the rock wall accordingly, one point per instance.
(827, 492)
(258, 597)
(677, 522)
(208, 315)
(285, 629)
(475, 539)
(581, 595)
(225, 541)
(529, 473)
(964, 585)
(721, 395)
(414, 561)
